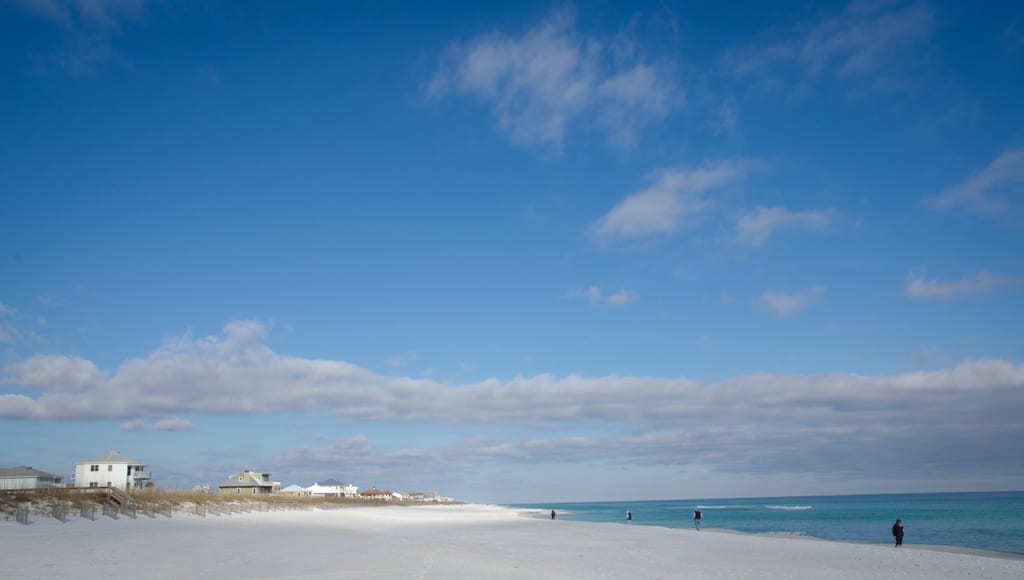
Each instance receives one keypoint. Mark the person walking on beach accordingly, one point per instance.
(897, 532)
(696, 519)
(629, 517)
(552, 514)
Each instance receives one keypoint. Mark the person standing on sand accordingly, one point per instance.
(629, 517)
(897, 532)
(552, 514)
(696, 519)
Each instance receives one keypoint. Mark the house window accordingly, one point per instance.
(94, 468)
(93, 484)
(110, 468)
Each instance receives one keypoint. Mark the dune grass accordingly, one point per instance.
(41, 500)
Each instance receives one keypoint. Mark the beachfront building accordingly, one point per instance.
(112, 470)
(424, 496)
(374, 493)
(332, 488)
(22, 477)
(295, 491)
(249, 483)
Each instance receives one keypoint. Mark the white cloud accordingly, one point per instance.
(984, 281)
(166, 424)
(882, 43)
(986, 190)
(621, 297)
(726, 120)
(133, 425)
(174, 424)
(783, 304)
(754, 228)
(761, 422)
(594, 295)
(539, 83)
(8, 333)
(867, 38)
(664, 207)
(400, 361)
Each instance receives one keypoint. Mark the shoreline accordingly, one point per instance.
(542, 514)
(930, 547)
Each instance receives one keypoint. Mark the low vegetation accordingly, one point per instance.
(42, 500)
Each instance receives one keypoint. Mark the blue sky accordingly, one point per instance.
(535, 252)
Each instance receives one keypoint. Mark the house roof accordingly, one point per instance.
(22, 471)
(328, 482)
(293, 489)
(110, 457)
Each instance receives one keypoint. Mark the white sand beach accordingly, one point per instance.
(451, 542)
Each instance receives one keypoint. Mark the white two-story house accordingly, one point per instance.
(111, 470)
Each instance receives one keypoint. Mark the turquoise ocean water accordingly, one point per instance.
(982, 520)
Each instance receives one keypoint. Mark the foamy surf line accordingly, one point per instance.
(451, 542)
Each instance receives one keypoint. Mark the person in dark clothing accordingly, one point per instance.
(629, 517)
(696, 519)
(897, 532)
(552, 514)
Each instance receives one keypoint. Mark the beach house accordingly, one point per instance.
(249, 483)
(22, 477)
(374, 493)
(332, 488)
(295, 491)
(112, 470)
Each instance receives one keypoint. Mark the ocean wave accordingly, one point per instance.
(789, 507)
(715, 507)
(785, 533)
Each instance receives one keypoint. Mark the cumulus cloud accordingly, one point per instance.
(539, 83)
(984, 281)
(987, 190)
(756, 227)
(664, 207)
(783, 304)
(829, 422)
